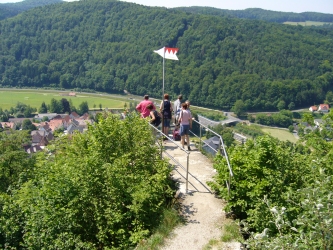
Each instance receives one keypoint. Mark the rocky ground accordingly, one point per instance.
(202, 211)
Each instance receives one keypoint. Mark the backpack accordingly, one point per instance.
(166, 109)
(176, 135)
(157, 120)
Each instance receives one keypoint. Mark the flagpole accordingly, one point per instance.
(171, 54)
(163, 91)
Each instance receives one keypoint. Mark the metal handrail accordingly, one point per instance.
(221, 146)
(170, 157)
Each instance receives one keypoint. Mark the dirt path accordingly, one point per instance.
(203, 211)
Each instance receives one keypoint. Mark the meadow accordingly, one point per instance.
(34, 98)
(281, 134)
(307, 23)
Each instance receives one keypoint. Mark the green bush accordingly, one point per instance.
(252, 130)
(104, 189)
(264, 167)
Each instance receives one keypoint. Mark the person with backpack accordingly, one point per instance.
(166, 110)
(154, 115)
(177, 107)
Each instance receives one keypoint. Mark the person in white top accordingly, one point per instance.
(177, 107)
(185, 121)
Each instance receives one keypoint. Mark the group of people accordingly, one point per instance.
(182, 115)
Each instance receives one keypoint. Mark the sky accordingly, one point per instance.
(322, 6)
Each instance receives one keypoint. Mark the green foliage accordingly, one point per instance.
(55, 106)
(225, 132)
(63, 46)
(264, 167)
(282, 191)
(239, 108)
(231, 232)
(312, 228)
(252, 130)
(329, 98)
(291, 106)
(15, 165)
(27, 125)
(214, 116)
(104, 189)
(281, 119)
(43, 108)
(83, 108)
(170, 220)
(257, 13)
(308, 118)
(22, 110)
(281, 105)
(12, 9)
(291, 128)
(251, 118)
(4, 115)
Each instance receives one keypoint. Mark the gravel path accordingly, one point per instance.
(202, 210)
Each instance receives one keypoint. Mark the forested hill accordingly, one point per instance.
(108, 46)
(260, 14)
(12, 9)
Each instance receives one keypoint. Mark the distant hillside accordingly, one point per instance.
(108, 46)
(260, 14)
(12, 9)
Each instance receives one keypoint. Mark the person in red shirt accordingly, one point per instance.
(142, 106)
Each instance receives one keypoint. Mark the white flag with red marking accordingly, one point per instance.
(168, 53)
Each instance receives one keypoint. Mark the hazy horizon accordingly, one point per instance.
(321, 6)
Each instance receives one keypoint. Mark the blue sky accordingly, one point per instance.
(323, 6)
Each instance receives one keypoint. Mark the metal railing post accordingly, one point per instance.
(200, 144)
(178, 163)
(221, 149)
(187, 168)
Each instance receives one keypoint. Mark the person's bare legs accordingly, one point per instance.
(182, 140)
(166, 131)
(188, 142)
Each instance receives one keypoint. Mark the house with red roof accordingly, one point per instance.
(313, 108)
(324, 108)
(8, 125)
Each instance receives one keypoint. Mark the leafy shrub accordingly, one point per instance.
(312, 228)
(104, 189)
(214, 116)
(264, 167)
(252, 130)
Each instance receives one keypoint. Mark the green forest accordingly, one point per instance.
(260, 14)
(108, 46)
(13, 9)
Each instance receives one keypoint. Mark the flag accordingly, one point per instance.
(168, 53)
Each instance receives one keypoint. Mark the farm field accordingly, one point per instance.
(34, 98)
(308, 23)
(281, 134)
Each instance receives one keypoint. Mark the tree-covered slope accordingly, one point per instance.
(12, 9)
(261, 14)
(108, 46)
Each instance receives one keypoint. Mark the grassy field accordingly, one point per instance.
(307, 23)
(10, 97)
(34, 98)
(281, 134)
